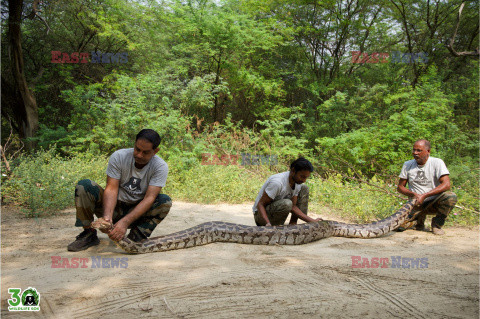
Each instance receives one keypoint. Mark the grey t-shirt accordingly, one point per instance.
(423, 178)
(133, 181)
(277, 187)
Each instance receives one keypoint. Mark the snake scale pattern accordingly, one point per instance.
(216, 231)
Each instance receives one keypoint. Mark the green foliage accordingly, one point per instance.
(264, 77)
(44, 182)
(215, 183)
(109, 115)
(358, 203)
(200, 93)
(362, 203)
(423, 112)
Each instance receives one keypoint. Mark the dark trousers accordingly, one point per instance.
(278, 211)
(89, 200)
(441, 206)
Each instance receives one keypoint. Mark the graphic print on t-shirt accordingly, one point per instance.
(133, 186)
(421, 179)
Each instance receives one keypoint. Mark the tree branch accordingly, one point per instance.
(450, 48)
(7, 165)
(35, 12)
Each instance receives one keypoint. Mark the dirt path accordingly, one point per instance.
(223, 280)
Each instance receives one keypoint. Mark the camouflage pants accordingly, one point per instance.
(278, 211)
(441, 206)
(88, 202)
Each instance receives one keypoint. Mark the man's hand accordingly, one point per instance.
(419, 199)
(119, 230)
(105, 230)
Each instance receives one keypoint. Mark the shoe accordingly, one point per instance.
(136, 235)
(437, 223)
(86, 239)
(421, 222)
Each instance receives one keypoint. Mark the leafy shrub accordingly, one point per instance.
(413, 113)
(216, 183)
(362, 203)
(44, 182)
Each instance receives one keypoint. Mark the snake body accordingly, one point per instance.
(217, 231)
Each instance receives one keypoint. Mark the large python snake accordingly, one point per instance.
(216, 231)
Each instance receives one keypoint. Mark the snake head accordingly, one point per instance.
(102, 225)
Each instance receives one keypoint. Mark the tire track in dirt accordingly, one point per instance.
(395, 314)
(113, 303)
(46, 308)
(350, 273)
(397, 301)
(443, 316)
(128, 295)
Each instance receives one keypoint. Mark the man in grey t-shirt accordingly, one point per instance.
(428, 182)
(282, 194)
(131, 199)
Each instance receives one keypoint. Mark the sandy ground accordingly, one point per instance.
(223, 280)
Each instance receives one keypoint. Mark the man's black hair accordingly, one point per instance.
(301, 164)
(149, 135)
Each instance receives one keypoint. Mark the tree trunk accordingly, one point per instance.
(24, 104)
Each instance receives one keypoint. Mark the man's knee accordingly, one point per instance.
(450, 198)
(161, 206)
(284, 205)
(278, 211)
(86, 186)
(163, 199)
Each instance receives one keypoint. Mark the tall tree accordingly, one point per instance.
(23, 103)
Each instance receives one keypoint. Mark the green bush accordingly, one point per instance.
(358, 203)
(44, 182)
(362, 203)
(411, 114)
(216, 183)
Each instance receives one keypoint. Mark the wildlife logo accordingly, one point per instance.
(133, 186)
(29, 300)
(421, 179)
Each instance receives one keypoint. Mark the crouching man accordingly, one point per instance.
(429, 183)
(131, 199)
(284, 194)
